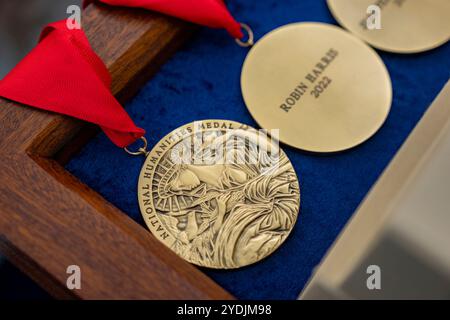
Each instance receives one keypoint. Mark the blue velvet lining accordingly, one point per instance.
(202, 82)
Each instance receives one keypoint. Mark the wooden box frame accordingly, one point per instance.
(50, 220)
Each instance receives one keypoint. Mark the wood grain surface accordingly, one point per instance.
(49, 220)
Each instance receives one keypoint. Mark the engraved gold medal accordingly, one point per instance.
(219, 193)
(401, 26)
(323, 88)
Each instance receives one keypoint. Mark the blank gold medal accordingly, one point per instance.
(407, 26)
(219, 194)
(323, 88)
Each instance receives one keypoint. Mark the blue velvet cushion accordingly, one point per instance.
(202, 81)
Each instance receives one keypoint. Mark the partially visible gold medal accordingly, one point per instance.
(401, 26)
(323, 88)
(219, 193)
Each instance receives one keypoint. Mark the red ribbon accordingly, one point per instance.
(64, 75)
(210, 13)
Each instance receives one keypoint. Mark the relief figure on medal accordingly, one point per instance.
(232, 204)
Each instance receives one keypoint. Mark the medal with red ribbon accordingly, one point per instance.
(203, 189)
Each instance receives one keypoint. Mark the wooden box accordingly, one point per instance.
(49, 220)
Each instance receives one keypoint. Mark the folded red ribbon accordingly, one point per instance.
(210, 13)
(63, 74)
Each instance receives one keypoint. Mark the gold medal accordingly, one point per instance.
(401, 26)
(324, 89)
(219, 193)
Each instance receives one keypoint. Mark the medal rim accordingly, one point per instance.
(378, 58)
(153, 229)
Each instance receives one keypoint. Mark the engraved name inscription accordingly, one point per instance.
(314, 83)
